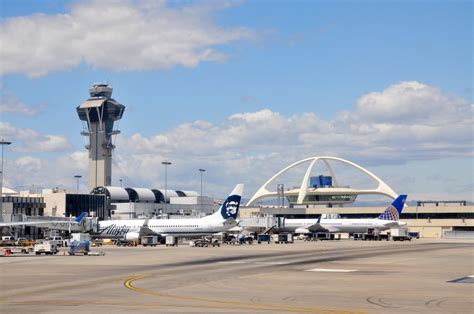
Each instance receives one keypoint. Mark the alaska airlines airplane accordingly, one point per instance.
(388, 219)
(221, 220)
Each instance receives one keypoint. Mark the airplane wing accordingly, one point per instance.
(391, 224)
(316, 227)
(230, 221)
(145, 230)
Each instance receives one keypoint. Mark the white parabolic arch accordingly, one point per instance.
(382, 187)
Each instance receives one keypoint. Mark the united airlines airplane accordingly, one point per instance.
(132, 230)
(388, 219)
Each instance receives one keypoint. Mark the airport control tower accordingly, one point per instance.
(99, 114)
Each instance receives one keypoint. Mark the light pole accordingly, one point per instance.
(166, 163)
(3, 143)
(201, 170)
(77, 177)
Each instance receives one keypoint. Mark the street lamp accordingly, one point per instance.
(201, 170)
(121, 183)
(3, 143)
(166, 163)
(77, 177)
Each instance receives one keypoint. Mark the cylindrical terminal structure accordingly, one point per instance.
(99, 114)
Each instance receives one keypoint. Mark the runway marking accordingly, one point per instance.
(332, 270)
(466, 279)
(272, 263)
(259, 263)
(224, 304)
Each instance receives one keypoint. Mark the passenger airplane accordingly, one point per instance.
(221, 220)
(388, 219)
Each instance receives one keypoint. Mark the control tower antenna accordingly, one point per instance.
(98, 114)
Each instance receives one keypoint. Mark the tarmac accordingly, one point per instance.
(422, 276)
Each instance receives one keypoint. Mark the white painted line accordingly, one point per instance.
(272, 263)
(472, 276)
(332, 270)
(231, 262)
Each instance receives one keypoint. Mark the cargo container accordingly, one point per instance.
(263, 238)
(171, 241)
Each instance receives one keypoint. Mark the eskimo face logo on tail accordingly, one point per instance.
(230, 208)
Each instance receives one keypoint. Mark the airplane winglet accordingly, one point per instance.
(81, 217)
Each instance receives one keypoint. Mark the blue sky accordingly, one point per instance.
(274, 61)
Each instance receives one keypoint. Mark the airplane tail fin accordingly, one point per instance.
(394, 210)
(230, 207)
(81, 217)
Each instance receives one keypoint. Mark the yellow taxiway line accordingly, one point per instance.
(228, 304)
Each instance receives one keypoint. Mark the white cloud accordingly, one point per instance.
(28, 163)
(412, 102)
(250, 147)
(30, 141)
(43, 173)
(9, 103)
(116, 35)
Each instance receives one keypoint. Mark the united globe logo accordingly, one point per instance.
(390, 213)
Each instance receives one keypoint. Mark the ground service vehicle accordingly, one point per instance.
(57, 240)
(243, 239)
(324, 236)
(283, 238)
(79, 247)
(204, 243)
(263, 238)
(45, 247)
(149, 240)
(400, 234)
(7, 241)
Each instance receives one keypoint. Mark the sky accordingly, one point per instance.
(242, 89)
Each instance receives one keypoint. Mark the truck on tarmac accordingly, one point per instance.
(400, 234)
(46, 247)
(149, 240)
(58, 240)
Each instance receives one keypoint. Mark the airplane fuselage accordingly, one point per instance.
(358, 225)
(163, 227)
(338, 225)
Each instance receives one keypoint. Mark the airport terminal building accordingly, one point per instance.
(321, 193)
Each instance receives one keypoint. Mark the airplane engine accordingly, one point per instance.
(132, 236)
(302, 231)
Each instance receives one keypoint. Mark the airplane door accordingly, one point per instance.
(281, 222)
